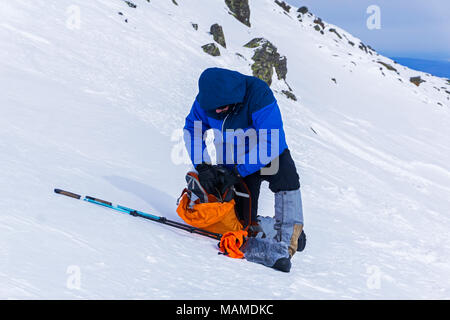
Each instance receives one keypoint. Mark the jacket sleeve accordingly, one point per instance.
(195, 126)
(271, 143)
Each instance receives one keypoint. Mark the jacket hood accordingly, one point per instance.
(219, 87)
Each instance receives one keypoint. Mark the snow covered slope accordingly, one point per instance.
(96, 108)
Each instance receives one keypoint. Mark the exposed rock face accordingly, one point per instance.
(417, 80)
(130, 4)
(211, 49)
(195, 26)
(289, 94)
(281, 68)
(388, 66)
(365, 48)
(303, 10)
(337, 33)
(254, 43)
(319, 22)
(284, 5)
(217, 32)
(240, 10)
(320, 26)
(266, 58)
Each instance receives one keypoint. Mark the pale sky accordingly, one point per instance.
(409, 28)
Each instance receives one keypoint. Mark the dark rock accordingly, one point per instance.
(303, 10)
(174, 2)
(240, 10)
(241, 56)
(416, 80)
(211, 49)
(351, 43)
(337, 33)
(363, 47)
(281, 68)
(195, 26)
(266, 58)
(130, 4)
(254, 43)
(217, 32)
(333, 79)
(388, 66)
(284, 5)
(289, 94)
(319, 21)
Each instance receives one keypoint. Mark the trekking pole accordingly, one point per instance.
(136, 213)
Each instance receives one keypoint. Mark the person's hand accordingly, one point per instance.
(208, 177)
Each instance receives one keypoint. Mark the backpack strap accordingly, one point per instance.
(193, 185)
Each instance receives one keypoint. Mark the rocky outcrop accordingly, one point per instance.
(217, 32)
(240, 10)
(417, 80)
(320, 26)
(281, 68)
(130, 4)
(387, 66)
(319, 22)
(267, 59)
(195, 26)
(211, 49)
(303, 10)
(284, 5)
(335, 32)
(289, 95)
(363, 47)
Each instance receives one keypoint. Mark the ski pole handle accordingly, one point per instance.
(68, 194)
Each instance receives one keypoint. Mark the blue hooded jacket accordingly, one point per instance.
(250, 135)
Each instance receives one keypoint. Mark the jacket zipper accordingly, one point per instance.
(223, 123)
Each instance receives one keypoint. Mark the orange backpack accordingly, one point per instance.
(206, 211)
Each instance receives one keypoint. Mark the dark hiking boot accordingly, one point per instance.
(283, 264)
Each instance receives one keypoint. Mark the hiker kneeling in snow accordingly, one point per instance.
(250, 142)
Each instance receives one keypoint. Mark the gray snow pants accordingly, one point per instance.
(288, 219)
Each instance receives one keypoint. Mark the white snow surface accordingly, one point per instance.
(98, 109)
